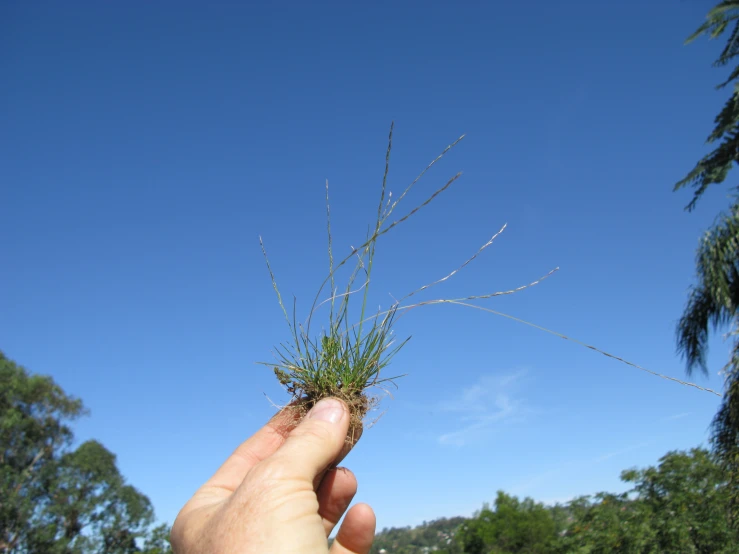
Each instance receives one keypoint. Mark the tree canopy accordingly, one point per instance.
(54, 498)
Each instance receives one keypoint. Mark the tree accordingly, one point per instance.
(608, 523)
(157, 542)
(58, 500)
(686, 498)
(713, 302)
(678, 506)
(714, 167)
(515, 526)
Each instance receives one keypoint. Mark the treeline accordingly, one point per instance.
(56, 498)
(680, 505)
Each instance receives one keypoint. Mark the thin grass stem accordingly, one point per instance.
(586, 345)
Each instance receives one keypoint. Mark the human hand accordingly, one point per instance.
(276, 493)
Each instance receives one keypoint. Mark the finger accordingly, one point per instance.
(314, 444)
(335, 493)
(356, 534)
(258, 447)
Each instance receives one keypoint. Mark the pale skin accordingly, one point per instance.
(280, 492)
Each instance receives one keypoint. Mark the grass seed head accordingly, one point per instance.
(346, 360)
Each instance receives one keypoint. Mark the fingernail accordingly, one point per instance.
(328, 409)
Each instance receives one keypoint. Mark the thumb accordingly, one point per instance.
(316, 443)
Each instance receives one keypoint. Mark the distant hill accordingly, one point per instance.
(433, 536)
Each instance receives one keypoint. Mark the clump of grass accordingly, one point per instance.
(347, 360)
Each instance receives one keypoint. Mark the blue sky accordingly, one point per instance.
(145, 146)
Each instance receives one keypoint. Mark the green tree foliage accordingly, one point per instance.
(515, 526)
(55, 499)
(607, 523)
(157, 541)
(713, 301)
(714, 167)
(679, 506)
(686, 498)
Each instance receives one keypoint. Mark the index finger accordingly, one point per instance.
(253, 450)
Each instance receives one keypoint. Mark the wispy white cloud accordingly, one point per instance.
(482, 406)
(676, 416)
(571, 467)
